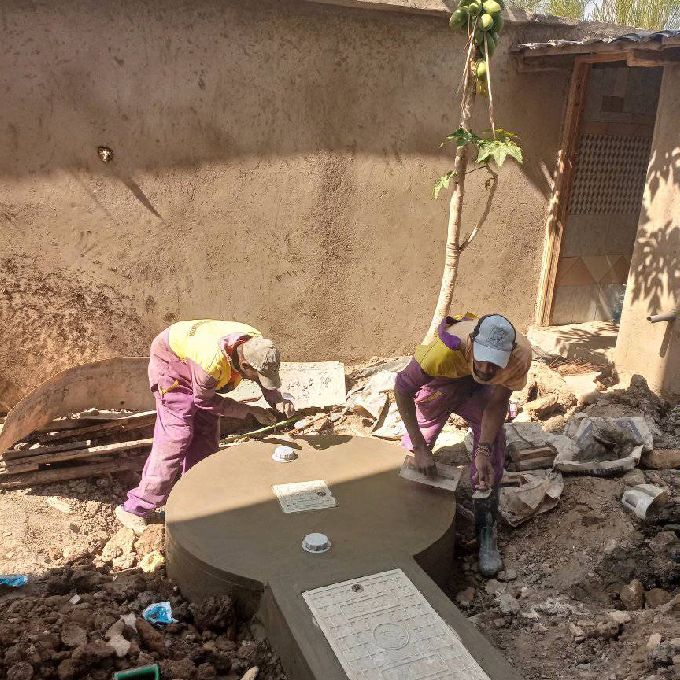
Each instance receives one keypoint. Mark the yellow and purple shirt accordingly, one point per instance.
(449, 357)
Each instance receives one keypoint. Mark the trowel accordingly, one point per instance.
(447, 477)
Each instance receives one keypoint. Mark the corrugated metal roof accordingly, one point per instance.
(639, 38)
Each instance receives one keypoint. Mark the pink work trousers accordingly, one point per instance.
(441, 397)
(183, 435)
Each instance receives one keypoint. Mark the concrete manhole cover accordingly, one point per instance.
(302, 496)
(381, 627)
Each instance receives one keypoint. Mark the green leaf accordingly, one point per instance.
(497, 150)
(461, 137)
(442, 183)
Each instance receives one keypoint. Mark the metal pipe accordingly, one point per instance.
(668, 316)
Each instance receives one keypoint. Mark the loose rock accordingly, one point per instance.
(152, 639)
(466, 597)
(633, 595)
(20, 671)
(73, 635)
(657, 597)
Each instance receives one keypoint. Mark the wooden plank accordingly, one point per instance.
(39, 450)
(647, 59)
(134, 422)
(26, 464)
(68, 473)
(559, 200)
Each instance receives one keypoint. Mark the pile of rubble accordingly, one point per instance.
(84, 620)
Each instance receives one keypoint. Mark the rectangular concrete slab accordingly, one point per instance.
(381, 627)
(312, 384)
(303, 496)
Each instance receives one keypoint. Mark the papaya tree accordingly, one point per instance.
(481, 24)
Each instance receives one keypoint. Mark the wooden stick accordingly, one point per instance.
(263, 430)
(68, 473)
(135, 422)
(11, 454)
(28, 464)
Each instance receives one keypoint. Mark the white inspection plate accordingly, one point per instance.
(382, 628)
(301, 496)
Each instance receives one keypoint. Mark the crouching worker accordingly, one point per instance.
(192, 363)
(470, 369)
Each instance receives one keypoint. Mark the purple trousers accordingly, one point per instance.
(183, 435)
(441, 397)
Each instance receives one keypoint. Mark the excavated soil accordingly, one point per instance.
(588, 591)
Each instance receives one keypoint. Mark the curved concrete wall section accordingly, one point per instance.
(119, 383)
(272, 162)
(228, 533)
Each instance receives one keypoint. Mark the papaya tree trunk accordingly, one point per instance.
(452, 253)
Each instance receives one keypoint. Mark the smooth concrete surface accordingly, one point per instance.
(273, 163)
(226, 533)
(653, 350)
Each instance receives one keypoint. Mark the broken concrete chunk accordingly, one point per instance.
(538, 492)
(619, 616)
(508, 604)
(119, 544)
(59, 504)
(312, 384)
(391, 426)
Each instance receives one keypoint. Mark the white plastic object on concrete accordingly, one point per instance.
(302, 496)
(284, 454)
(641, 497)
(381, 626)
(316, 543)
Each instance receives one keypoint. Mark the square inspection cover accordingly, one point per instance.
(382, 628)
(301, 496)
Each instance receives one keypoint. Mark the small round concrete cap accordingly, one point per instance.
(316, 543)
(284, 454)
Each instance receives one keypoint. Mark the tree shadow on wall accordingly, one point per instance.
(656, 259)
(655, 267)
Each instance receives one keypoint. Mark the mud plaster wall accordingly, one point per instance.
(273, 163)
(653, 350)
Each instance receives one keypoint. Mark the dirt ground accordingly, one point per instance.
(588, 591)
(84, 575)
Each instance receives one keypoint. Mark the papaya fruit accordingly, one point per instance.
(480, 70)
(498, 22)
(474, 8)
(486, 22)
(491, 7)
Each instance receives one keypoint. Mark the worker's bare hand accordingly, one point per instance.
(287, 407)
(263, 415)
(485, 471)
(424, 461)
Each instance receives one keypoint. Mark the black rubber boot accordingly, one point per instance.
(486, 520)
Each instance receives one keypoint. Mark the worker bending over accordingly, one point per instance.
(470, 368)
(192, 363)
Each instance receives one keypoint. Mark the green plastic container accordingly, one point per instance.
(150, 672)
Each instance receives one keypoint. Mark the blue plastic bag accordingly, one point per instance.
(159, 612)
(14, 581)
